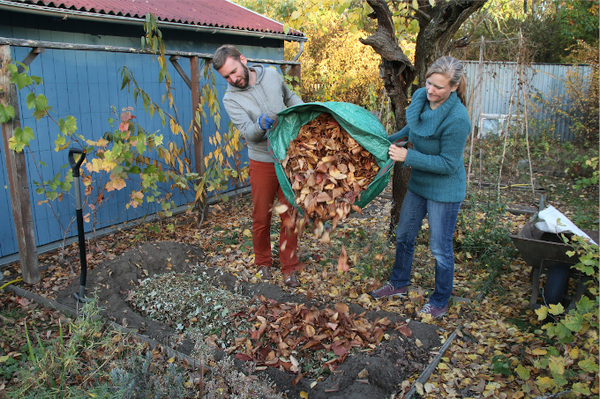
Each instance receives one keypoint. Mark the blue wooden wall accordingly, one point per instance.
(86, 84)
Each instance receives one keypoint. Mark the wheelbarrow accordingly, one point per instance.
(546, 253)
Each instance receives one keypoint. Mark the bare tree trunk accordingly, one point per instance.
(396, 70)
(400, 180)
(437, 27)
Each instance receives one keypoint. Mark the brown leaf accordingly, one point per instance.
(342, 308)
(323, 197)
(262, 328)
(325, 237)
(333, 388)
(297, 379)
(343, 261)
(281, 208)
(339, 349)
(23, 302)
(404, 330)
(243, 356)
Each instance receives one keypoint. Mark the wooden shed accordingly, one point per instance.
(78, 48)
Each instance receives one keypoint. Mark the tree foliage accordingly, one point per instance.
(335, 65)
(551, 29)
(339, 68)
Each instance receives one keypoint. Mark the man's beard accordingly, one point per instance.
(246, 79)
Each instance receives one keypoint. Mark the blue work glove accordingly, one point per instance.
(267, 120)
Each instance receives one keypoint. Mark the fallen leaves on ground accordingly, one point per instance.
(499, 326)
(285, 333)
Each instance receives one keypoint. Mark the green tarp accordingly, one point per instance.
(362, 125)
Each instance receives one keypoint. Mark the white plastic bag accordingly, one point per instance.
(553, 221)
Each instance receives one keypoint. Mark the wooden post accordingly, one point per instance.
(17, 178)
(198, 137)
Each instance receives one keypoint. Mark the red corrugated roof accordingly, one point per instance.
(210, 13)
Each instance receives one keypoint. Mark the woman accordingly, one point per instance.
(437, 125)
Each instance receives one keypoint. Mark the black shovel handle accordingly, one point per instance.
(75, 165)
(82, 253)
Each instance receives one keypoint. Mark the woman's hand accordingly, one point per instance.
(397, 154)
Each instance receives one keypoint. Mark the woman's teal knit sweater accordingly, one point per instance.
(439, 137)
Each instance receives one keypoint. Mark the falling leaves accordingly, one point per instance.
(328, 171)
(343, 261)
(279, 209)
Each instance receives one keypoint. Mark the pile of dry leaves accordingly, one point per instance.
(282, 330)
(328, 171)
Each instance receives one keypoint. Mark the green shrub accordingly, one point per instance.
(483, 239)
(95, 361)
(572, 362)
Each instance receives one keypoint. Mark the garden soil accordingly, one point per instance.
(381, 370)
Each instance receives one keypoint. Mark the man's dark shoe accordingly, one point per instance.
(265, 272)
(291, 280)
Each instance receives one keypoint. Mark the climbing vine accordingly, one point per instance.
(130, 156)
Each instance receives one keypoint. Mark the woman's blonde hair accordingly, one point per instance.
(451, 68)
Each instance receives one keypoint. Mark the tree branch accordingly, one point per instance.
(421, 13)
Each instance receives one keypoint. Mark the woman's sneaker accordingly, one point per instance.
(389, 290)
(433, 311)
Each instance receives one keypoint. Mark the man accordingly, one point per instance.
(254, 97)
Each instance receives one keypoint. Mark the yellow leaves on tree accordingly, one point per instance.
(115, 183)
(337, 66)
(99, 143)
(137, 198)
(97, 165)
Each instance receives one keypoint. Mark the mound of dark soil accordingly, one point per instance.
(373, 374)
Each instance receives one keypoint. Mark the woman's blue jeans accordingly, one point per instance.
(442, 221)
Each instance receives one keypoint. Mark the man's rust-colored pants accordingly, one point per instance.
(265, 186)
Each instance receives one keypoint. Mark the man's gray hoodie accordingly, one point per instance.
(244, 106)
